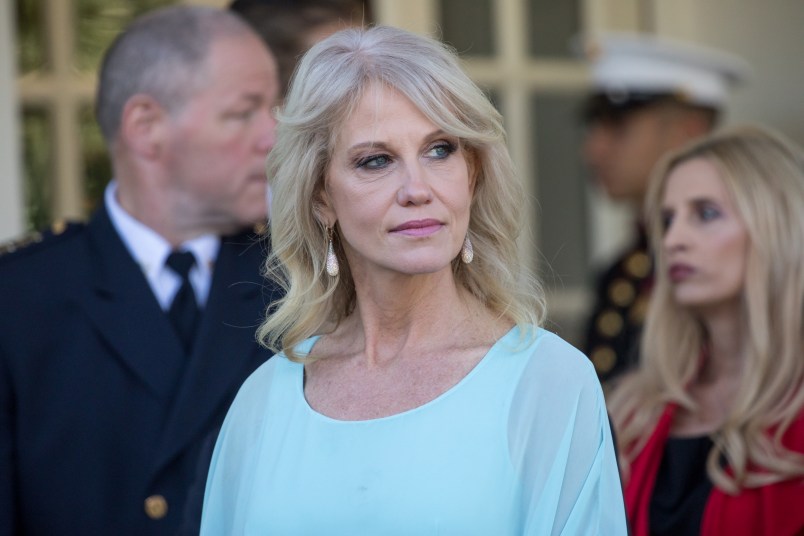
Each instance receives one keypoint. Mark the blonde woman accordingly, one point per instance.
(711, 427)
(415, 392)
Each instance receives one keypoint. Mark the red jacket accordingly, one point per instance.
(773, 510)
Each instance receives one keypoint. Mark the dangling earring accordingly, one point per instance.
(333, 269)
(467, 253)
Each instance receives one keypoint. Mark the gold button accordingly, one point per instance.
(609, 323)
(638, 264)
(58, 227)
(621, 292)
(603, 358)
(156, 507)
(639, 310)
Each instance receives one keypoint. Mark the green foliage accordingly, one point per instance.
(99, 21)
(97, 166)
(31, 52)
(36, 144)
(95, 24)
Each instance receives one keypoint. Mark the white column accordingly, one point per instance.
(11, 204)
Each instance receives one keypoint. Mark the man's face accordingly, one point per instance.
(218, 141)
(622, 152)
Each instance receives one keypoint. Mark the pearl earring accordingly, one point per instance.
(333, 269)
(467, 253)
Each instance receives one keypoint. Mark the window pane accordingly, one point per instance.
(552, 25)
(38, 166)
(468, 26)
(98, 22)
(97, 167)
(31, 51)
(562, 188)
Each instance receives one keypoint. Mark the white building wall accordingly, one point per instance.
(11, 205)
(769, 34)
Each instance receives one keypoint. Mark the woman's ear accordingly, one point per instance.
(322, 205)
(143, 125)
(473, 168)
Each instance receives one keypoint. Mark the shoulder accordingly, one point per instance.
(263, 378)
(271, 377)
(555, 356)
(555, 377)
(40, 244)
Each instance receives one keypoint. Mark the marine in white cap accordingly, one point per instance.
(649, 96)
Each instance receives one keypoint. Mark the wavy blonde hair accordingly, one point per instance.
(326, 89)
(764, 174)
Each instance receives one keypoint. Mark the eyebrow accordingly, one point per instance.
(256, 98)
(702, 200)
(384, 146)
(695, 201)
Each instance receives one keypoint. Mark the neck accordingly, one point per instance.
(726, 337)
(151, 207)
(406, 314)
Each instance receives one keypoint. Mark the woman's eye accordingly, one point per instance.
(441, 150)
(667, 221)
(243, 114)
(374, 162)
(707, 213)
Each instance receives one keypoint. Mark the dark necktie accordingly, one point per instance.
(183, 312)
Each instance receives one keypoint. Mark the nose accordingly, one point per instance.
(675, 235)
(595, 146)
(415, 189)
(266, 137)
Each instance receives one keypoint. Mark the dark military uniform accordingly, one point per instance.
(102, 414)
(614, 329)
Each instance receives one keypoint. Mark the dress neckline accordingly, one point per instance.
(302, 399)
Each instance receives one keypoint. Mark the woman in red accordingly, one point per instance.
(711, 426)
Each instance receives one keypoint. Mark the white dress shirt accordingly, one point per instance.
(150, 251)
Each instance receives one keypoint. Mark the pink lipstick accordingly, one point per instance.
(418, 227)
(679, 272)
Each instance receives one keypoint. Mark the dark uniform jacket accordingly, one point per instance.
(614, 329)
(102, 416)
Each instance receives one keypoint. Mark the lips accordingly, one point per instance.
(679, 272)
(418, 227)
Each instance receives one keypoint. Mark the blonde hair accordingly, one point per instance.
(764, 174)
(327, 87)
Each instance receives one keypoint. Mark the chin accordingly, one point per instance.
(252, 214)
(708, 303)
(687, 297)
(426, 267)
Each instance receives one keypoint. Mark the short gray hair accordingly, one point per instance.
(161, 54)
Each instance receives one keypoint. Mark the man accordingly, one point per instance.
(291, 27)
(650, 96)
(123, 341)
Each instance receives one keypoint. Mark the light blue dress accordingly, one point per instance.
(521, 445)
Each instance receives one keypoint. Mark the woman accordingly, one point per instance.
(712, 425)
(414, 392)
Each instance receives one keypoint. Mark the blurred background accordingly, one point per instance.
(53, 164)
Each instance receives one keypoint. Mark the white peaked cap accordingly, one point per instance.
(624, 63)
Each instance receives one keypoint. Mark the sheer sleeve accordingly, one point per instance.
(560, 442)
(232, 469)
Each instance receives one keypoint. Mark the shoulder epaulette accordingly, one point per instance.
(60, 228)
